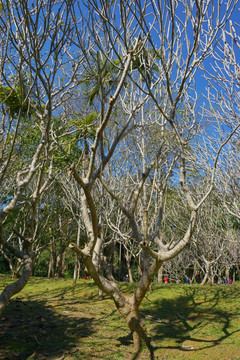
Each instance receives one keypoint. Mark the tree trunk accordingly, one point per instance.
(195, 272)
(76, 272)
(77, 265)
(139, 272)
(130, 275)
(138, 329)
(234, 275)
(112, 257)
(120, 262)
(50, 267)
(18, 285)
(127, 306)
(97, 261)
(160, 274)
(52, 261)
(128, 262)
(60, 263)
(204, 279)
(206, 274)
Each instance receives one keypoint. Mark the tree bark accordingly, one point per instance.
(76, 271)
(111, 266)
(205, 278)
(18, 285)
(138, 329)
(60, 264)
(77, 265)
(160, 274)
(52, 261)
(127, 306)
(128, 262)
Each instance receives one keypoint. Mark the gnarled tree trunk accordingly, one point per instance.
(137, 327)
(18, 285)
(128, 307)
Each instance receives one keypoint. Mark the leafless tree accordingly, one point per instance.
(209, 240)
(144, 56)
(38, 64)
(136, 64)
(224, 112)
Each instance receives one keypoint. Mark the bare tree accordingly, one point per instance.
(38, 64)
(72, 200)
(209, 240)
(136, 64)
(129, 74)
(223, 97)
(224, 115)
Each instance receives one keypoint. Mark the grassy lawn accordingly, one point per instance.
(51, 319)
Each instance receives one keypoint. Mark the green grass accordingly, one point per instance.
(51, 319)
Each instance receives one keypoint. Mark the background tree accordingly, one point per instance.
(159, 77)
(37, 67)
(224, 112)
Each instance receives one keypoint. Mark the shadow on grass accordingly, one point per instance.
(198, 317)
(32, 330)
(81, 291)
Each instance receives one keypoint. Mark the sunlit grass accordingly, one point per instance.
(52, 319)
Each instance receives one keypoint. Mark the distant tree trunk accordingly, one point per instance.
(128, 262)
(120, 263)
(195, 272)
(204, 279)
(76, 272)
(112, 257)
(206, 274)
(15, 270)
(60, 263)
(14, 267)
(52, 261)
(50, 267)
